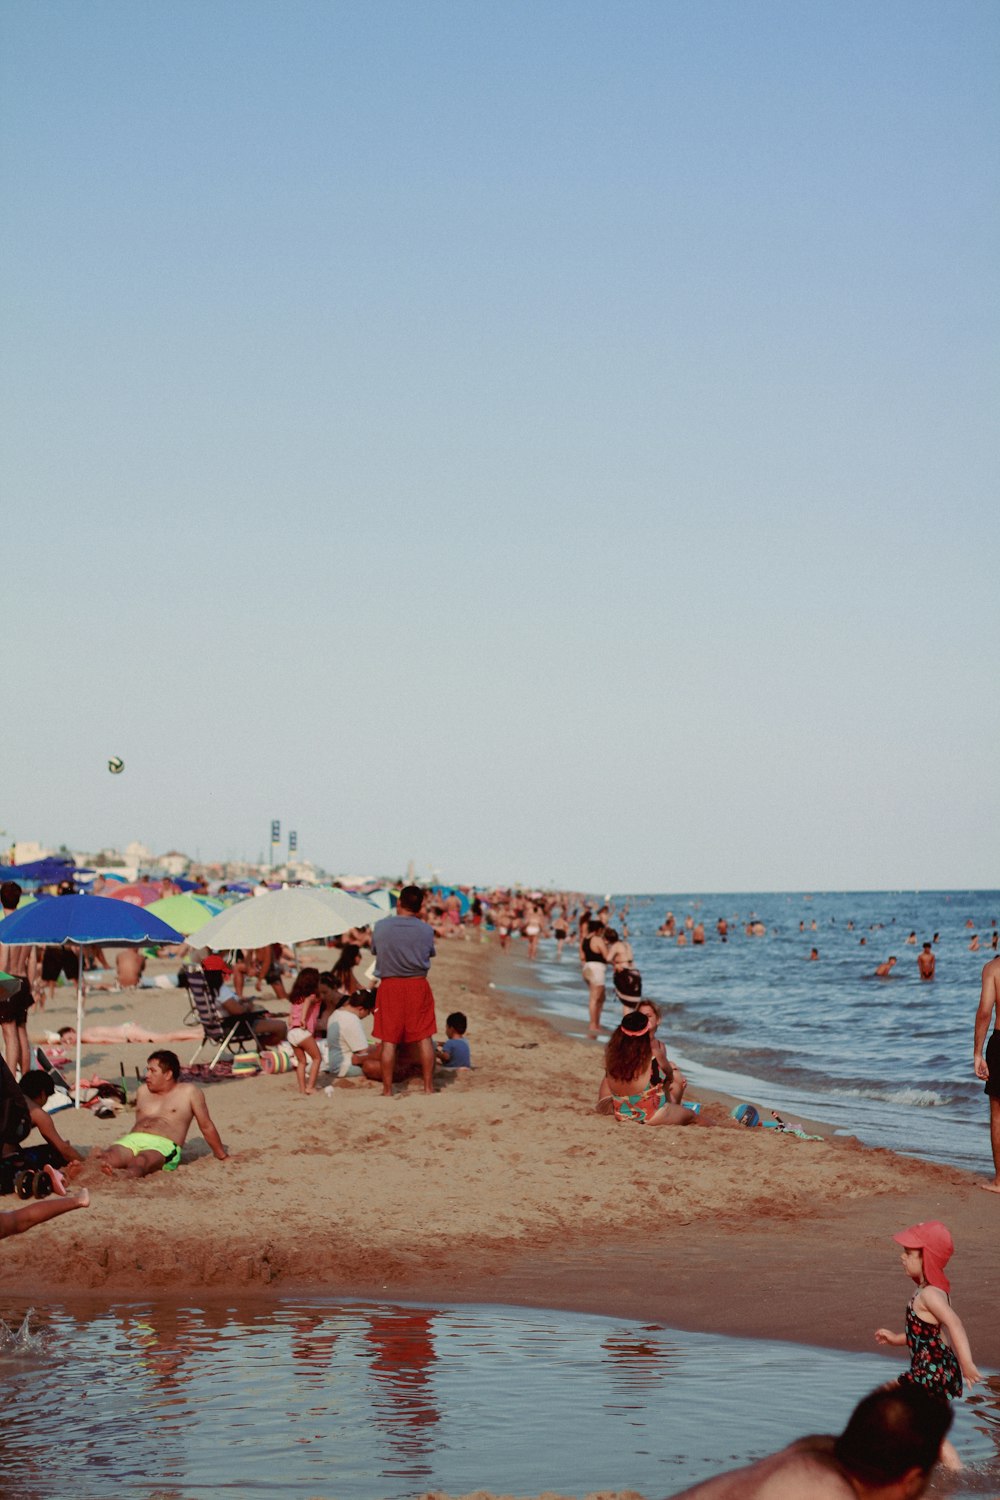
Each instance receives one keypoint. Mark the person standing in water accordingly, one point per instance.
(594, 958)
(940, 1356)
(986, 1059)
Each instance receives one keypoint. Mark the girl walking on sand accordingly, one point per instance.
(939, 1347)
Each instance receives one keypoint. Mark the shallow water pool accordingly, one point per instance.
(362, 1401)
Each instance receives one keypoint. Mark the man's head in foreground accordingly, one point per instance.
(893, 1440)
(410, 900)
(887, 1451)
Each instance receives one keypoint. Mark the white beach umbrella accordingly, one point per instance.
(290, 916)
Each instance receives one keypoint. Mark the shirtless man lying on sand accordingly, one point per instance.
(164, 1111)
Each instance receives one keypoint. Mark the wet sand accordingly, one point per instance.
(505, 1188)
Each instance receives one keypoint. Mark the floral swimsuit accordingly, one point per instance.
(932, 1361)
(640, 1106)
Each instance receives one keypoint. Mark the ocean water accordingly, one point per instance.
(887, 1060)
(363, 1401)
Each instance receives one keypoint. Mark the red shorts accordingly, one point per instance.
(404, 1010)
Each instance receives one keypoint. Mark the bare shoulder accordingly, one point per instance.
(931, 1299)
(796, 1472)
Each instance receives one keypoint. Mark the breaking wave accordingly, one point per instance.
(913, 1098)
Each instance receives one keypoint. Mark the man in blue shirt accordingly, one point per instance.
(403, 946)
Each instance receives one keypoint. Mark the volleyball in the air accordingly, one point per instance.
(116, 765)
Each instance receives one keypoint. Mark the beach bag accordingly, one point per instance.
(15, 1119)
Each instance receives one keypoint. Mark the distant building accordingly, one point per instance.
(26, 851)
(173, 863)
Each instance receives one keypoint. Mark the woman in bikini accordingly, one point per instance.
(627, 1081)
(532, 929)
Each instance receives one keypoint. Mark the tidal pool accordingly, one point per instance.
(361, 1401)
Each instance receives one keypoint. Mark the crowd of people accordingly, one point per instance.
(381, 976)
(380, 972)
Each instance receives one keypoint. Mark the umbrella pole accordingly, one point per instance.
(79, 1024)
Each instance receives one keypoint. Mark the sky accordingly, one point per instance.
(547, 442)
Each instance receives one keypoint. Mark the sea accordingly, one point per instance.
(887, 1060)
(365, 1401)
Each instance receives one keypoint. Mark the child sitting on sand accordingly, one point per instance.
(454, 1053)
(938, 1360)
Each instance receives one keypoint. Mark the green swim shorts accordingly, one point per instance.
(138, 1141)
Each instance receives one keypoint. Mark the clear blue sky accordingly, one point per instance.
(545, 441)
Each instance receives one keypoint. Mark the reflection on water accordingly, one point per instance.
(364, 1401)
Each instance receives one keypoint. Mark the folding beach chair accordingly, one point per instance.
(234, 1033)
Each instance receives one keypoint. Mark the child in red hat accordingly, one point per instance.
(938, 1343)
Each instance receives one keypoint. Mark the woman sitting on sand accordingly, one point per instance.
(628, 1084)
(342, 972)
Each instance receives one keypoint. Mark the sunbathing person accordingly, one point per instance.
(129, 1031)
(165, 1110)
(628, 1084)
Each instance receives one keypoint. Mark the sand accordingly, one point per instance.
(505, 1187)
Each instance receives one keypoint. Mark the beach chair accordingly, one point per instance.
(232, 1033)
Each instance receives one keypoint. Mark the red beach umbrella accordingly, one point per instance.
(139, 893)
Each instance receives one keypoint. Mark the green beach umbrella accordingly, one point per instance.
(186, 912)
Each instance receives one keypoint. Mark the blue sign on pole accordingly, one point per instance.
(276, 831)
(293, 841)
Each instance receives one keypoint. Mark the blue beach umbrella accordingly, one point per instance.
(83, 920)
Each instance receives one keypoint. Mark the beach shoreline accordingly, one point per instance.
(504, 1188)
